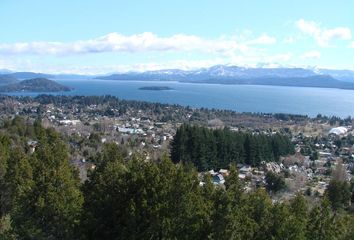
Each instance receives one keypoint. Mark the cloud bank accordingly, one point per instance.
(144, 42)
(321, 35)
(185, 51)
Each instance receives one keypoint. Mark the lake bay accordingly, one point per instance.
(241, 98)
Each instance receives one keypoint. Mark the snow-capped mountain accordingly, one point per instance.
(218, 71)
(343, 75)
(225, 74)
(228, 74)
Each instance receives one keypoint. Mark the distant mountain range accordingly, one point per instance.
(222, 74)
(342, 75)
(29, 75)
(34, 85)
(7, 79)
(5, 71)
(215, 72)
(219, 74)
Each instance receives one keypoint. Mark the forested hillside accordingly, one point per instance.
(40, 192)
(214, 149)
(42, 198)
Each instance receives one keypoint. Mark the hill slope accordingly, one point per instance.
(7, 79)
(322, 81)
(30, 75)
(35, 85)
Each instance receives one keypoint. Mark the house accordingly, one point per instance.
(325, 154)
(321, 170)
(218, 179)
(338, 131)
(273, 167)
(212, 172)
(32, 145)
(126, 130)
(241, 176)
(69, 122)
(293, 168)
(245, 169)
(224, 172)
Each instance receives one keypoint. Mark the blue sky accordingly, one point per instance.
(100, 36)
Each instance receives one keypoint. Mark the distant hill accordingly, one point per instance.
(342, 75)
(220, 74)
(73, 76)
(215, 72)
(5, 71)
(156, 88)
(7, 79)
(35, 85)
(322, 81)
(30, 75)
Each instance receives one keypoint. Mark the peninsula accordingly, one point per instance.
(35, 85)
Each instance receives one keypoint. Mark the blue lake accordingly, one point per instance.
(241, 98)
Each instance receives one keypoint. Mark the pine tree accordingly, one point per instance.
(140, 200)
(299, 214)
(19, 176)
(321, 225)
(259, 209)
(212, 149)
(51, 207)
(4, 155)
(339, 194)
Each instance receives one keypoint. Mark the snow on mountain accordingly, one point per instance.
(342, 75)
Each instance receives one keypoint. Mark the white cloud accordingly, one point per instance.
(243, 51)
(144, 42)
(321, 35)
(15, 64)
(175, 64)
(251, 59)
(308, 27)
(264, 39)
(115, 42)
(311, 55)
(44, 67)
(289, 40)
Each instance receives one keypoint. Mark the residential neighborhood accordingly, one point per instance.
(140, 131)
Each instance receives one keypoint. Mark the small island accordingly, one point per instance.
(156, 88)
(35, 85)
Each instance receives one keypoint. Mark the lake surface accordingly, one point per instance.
(241, 98)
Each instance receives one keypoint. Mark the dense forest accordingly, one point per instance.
(42, 198)
(214, 149)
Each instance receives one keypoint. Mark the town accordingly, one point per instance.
(323, 147)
